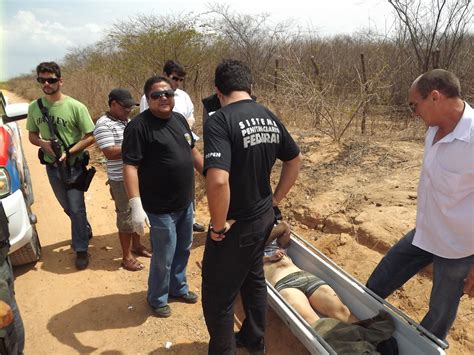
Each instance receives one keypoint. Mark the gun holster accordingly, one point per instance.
(83, 181)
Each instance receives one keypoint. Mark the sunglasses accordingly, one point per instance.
(47, 80)
(412, 106)
(176, 78)
(155, 95)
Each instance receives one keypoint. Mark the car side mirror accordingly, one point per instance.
(15, 112)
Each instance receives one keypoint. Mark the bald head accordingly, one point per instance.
(437, 79)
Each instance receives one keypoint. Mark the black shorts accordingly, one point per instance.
(301, 280)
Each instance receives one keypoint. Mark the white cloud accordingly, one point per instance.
(29, 39)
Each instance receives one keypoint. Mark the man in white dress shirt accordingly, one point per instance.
(444, 233)
(182, 103)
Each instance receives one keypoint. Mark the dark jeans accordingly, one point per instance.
(72, 202)
(229, 266)
(403, 261)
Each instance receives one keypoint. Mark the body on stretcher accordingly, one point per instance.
(411, 337)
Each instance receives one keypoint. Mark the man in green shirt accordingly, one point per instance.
(74, 130)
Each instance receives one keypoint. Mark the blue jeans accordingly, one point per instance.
(403, 261)
(72, 202)
(171, 236)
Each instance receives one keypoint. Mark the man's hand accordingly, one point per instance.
(6, 314)
(139, 217)
(218, 237)
(469, 283)
(47, 147)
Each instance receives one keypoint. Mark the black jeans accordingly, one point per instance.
(229, 266)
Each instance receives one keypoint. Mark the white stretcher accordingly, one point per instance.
(411, 337)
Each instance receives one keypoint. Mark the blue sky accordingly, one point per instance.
(32, 31)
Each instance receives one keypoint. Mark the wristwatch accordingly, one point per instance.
(222, 231)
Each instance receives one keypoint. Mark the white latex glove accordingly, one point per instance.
(139, 217)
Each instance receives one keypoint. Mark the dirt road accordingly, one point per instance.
(352, 201)
(103, 309)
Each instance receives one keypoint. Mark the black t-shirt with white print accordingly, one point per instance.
(162, 151)
(245, 139)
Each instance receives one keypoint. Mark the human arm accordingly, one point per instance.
(218, 198)
(87, 140)
(6, 314)
(197, 159)
(288, 175)
(35, 139)
(139, 216)
(113, 152)
(469, 283)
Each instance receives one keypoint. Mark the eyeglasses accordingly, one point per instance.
(155, 95)
(412, 106)
(176, 78)
(47, 80)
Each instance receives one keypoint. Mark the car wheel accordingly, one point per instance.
(30, 253)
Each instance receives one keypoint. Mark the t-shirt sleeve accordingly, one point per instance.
(31, 125)
(84, 120)
(288, 148)
(217, 145)
(104, 136)
(133, 144)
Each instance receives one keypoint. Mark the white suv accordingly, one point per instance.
(16, 192)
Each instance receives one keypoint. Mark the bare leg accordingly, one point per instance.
(138, 247)
(128, 260)
(300, 303)
(126, 243)
(325, 301)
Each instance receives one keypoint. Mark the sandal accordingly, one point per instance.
(142, 251)
(132, 265)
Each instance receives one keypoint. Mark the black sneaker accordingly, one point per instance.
(89, 231)
(162, 312)
(82, 260)
(189, 297)
(198, 227)
(256, 349)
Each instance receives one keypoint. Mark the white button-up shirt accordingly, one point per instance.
(445, 212)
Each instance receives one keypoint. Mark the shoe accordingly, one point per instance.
(132, 265)
(189, 297)
(198, 227)
(252, 349)
(82, 260)
(89, 231)
(162, 312)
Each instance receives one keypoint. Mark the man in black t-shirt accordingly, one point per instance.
(242, 141)
(159, 157)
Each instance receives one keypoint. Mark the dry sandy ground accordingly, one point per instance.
(351, 201)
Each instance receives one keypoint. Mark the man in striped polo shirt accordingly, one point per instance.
(109, 135)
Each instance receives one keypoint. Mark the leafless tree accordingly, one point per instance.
(436, 28)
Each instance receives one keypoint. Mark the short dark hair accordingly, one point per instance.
(171, 67)
(233, 75)
(439, 79)
(48, 67)
(153, 80)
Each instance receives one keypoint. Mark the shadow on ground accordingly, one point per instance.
(96, 314)
(104, 250)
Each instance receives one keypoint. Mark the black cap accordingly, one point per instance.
(123, 97)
